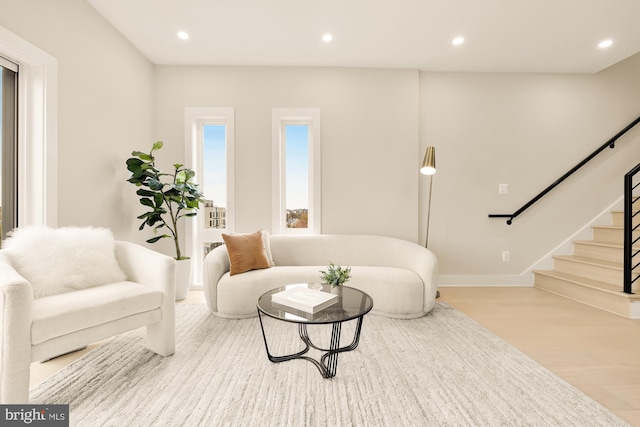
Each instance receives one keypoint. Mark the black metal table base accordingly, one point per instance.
(328, 363)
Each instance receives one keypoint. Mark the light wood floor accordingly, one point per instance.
(597, 352)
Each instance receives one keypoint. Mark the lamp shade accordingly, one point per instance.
(429, 162)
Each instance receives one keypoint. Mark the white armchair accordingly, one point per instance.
(43, 327)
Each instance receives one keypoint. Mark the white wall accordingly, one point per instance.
(525, 130)
(520, 129)
(369, 138)
(105, 108)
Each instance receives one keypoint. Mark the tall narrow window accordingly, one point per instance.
(210, 137)
(214, 176)
(297, 176)
(296, 170)
(9, 146)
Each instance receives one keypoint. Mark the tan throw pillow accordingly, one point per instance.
(246, 252)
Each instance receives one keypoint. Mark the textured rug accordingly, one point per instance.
(441, 370)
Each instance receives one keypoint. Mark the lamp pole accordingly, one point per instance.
(429, 168)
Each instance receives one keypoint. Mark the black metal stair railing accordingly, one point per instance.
(631, 210)
(611, 143)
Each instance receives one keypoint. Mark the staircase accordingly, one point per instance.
(594, 274)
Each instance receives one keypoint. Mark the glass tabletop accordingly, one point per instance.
(352, 303)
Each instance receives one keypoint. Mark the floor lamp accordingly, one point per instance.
(429, 168)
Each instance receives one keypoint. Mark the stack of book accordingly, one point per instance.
(304, 299)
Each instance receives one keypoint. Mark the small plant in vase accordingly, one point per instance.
(335, 275)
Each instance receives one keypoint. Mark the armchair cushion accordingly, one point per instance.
(61, 260)
(58, 315)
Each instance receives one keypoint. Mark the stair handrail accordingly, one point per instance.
(629, 241)
(611, 143)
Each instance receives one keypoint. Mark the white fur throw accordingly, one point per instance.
(63, 259)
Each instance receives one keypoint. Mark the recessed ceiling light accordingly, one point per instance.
(183, 35)
(605, 44)
(458, 41)
(327, 38)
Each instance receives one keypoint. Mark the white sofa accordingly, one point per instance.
(399, 275)
(35, 329)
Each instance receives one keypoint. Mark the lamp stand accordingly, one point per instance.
(426, 240)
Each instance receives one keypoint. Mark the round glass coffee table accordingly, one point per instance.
(352, 304)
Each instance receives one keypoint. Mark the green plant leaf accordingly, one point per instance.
(158, 199)
(145, 193)
(146, 202)
(154, 184)
(157, 145)
(155, 239)
(181, 177)
(141, 155)
(133, 164)
(145, 215)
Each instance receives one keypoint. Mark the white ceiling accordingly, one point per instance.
(555, 36)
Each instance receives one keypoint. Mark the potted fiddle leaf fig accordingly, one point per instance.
(168, 196)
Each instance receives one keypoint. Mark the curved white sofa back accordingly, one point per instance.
(317, 251)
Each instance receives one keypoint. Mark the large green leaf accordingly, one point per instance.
(155, 239)
(146, 202)
(154, 184)
(158, 199)
(145, 193)
(189, 174)
(145, 215)
(141, 155)
(181, 177)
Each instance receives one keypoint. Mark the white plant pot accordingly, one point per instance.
(183, 278)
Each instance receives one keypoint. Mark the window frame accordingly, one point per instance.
(37, 130)
(9, 74)
(280, 118)
(195, 233)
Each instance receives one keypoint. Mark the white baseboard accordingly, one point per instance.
(452, 280)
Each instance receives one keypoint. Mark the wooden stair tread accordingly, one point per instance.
(607, 227)
(591, 261)
(589, 283)
(601, 243)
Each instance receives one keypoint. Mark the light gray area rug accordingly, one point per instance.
(441, 370)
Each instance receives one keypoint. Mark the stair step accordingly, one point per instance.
(617, 219)
(611, 233)
(606, 251)
(603, 271)
(597, 294)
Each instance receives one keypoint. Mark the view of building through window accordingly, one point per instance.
(297, 175)
(214, 180)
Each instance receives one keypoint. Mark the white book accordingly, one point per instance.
(305, 299)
